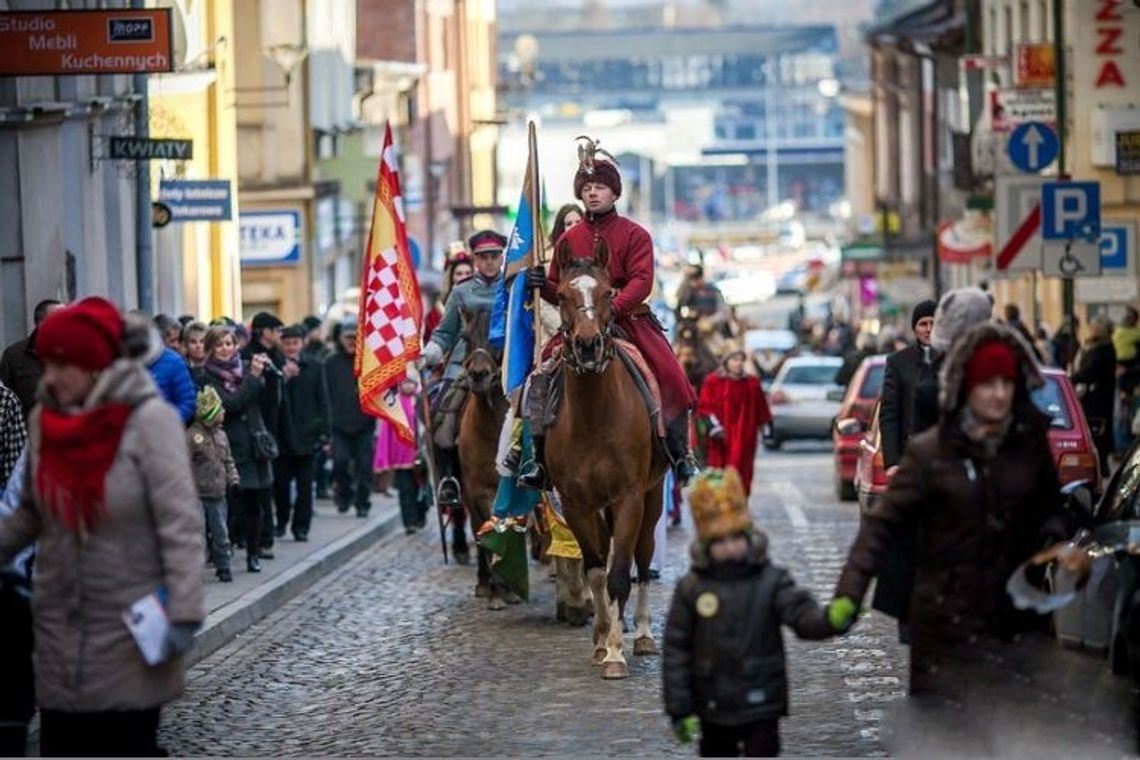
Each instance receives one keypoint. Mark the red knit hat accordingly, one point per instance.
(87, 334)
(604, 172)
(994, 358)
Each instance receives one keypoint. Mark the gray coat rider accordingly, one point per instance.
(471, 296)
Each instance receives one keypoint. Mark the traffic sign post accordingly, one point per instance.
(1017, 231)
(1033, 146)
(1070, 228)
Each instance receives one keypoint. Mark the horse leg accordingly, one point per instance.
(594, 540)
(627, 518)
(643, 643)
(577, 607)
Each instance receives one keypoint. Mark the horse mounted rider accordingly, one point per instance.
(702, 300)
(631, 268)
(474, 295)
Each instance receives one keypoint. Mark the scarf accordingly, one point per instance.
(76, 452)
(228, 372)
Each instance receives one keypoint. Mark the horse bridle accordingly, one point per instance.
(570, 355)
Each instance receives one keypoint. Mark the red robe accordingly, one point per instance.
(631, 271)
(740, 406)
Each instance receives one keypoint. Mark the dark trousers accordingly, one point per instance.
(217, 536)
(17, 682)
(128, 733)
(251, 502)
(759, 739)
(411, 506)
(290, 469)
(352, 470)
(321, 473)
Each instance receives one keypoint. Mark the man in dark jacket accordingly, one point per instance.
(979, 493)
(909, 400)
(724, 651)
(20, 367)
(1095, 381)
(307, 403)
(265, 338)
(353, 431)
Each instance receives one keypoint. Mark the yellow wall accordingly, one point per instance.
(187, 104)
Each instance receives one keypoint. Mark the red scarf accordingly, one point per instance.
(75, 454)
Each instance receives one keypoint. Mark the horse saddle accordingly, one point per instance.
(634, 362)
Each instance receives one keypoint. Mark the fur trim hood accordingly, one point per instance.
(953, 372)
(957, 310)
(141, 340)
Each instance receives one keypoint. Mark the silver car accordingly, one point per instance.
(804, 399)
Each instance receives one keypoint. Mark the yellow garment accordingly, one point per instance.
(1125, 339)
(562, 541)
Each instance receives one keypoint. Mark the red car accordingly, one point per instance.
(854, 418)
(1069, 438)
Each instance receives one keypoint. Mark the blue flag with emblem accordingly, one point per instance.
(513, 315)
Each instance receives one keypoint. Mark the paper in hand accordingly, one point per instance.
(148, 623)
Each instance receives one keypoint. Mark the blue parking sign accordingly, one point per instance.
(1115, 243)
(1070, 211)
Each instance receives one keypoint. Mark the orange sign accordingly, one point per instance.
(1033, 65)
(85, 42)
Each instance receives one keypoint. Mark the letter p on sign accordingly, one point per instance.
(1070, 211)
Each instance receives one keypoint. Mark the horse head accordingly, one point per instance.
(585, 300)
(481, 364)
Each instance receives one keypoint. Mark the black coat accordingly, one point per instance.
(243, 416)
(21, 369)
(909, 400)
(344, 396)
(724, 650)
(1096, 372)
(275, 410)
(850, 366)
(307, 400)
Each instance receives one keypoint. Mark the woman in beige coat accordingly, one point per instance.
(110, 501)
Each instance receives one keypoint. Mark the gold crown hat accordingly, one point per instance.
(719, 504)
(733, 346)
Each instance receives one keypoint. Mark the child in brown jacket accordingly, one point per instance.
(214, 471)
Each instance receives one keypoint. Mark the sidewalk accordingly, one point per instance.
(334, 539)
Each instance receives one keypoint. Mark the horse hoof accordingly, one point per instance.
(496, 604)
(512, 598)
(599, 655)
(482, 591)
(575, 616)
(614, 671)
(645, 645)
(560, 612)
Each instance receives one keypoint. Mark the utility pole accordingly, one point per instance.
(144, 248)
(1062, 116)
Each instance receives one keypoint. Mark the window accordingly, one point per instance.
(873, 382)
(1051, 400)
(746, 131)
(993, 31)
(1023, 21)
(810, 374)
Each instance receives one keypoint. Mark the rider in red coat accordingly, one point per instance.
(598, 185)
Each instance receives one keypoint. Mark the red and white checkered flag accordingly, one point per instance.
(390, 319)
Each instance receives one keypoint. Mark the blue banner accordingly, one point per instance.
(512, 317)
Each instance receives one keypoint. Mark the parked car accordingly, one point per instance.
(1105, 616)
(1069, 438)
(804, 399)
(853, 420)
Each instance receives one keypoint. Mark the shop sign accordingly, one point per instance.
(85, 42)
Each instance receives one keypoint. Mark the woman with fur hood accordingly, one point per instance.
(979, 494)
(112, 509)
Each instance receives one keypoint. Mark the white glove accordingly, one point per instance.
(432, 354)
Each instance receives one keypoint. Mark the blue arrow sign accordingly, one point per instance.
(1070, 211)
(1033, 146)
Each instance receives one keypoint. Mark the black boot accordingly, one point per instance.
(677, 444)
(533, 474)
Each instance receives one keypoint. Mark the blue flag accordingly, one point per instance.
(513, 315)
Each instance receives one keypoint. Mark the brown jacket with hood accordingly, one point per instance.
(152, 535)
(976, 514)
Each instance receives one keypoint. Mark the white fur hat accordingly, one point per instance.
(957, 310)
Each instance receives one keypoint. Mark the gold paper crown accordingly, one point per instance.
(719, 504)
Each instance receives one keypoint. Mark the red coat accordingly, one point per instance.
(740, 406)
(631, 272)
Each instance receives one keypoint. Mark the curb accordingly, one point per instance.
(228, 622)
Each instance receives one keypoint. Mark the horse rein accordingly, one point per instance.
(570, 355)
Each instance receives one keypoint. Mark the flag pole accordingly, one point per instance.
(538, 235)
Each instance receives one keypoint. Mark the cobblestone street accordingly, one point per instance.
(395, 656)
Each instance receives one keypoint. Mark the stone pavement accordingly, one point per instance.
(334, 539)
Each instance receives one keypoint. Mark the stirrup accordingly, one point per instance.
(534, 478)
(685, 469)
(448, 492)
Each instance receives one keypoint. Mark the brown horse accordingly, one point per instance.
(479, 424)
(602, 457)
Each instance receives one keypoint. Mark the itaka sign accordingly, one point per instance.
(85, 42)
